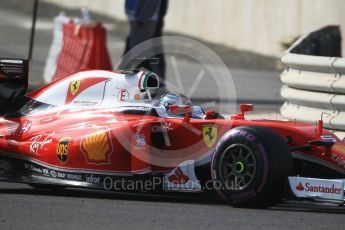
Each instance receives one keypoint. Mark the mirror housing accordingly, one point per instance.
(180, 109)
(246, 108)
(243, 109)
(13, 80)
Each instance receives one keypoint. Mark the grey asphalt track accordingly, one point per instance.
(22, 207)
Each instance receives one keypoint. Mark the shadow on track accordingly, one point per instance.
(186, 198)
(130, 196)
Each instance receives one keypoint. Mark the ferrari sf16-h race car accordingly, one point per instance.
(102, 130)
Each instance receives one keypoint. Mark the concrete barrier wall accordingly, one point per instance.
(254, 25)
(314, 86)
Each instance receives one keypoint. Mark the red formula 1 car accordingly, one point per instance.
(96, 129)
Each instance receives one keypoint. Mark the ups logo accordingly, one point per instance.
(62, 149)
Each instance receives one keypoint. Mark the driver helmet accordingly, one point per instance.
(169, 99)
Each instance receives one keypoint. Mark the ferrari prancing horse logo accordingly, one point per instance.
(209, 133)
(75, 87)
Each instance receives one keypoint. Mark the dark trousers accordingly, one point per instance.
(152, 59)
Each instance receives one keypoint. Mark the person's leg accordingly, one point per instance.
(159, 67)
(131, 42)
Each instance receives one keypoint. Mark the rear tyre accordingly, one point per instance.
(251, 166)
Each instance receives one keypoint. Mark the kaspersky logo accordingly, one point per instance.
(178, 177)
(318, 188)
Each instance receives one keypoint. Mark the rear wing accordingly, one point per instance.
(13, 80)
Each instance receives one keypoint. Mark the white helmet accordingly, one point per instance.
(169, 99)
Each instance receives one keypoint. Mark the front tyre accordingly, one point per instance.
(250, 167)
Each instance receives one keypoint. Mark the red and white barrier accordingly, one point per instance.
(55, 48)
(78, 44)
(84, 47)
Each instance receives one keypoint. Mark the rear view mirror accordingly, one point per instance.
(246, 108)
(13, 69)
(180, 109)
(13, 80)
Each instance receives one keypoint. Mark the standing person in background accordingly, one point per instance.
(146, 18)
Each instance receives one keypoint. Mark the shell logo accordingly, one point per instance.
(97, 147)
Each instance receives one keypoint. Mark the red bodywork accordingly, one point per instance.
(38, 137)
(108, 140)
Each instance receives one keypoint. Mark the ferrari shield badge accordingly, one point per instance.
(209, 133)
(75, 87)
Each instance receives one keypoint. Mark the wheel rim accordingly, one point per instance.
(237, 167)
